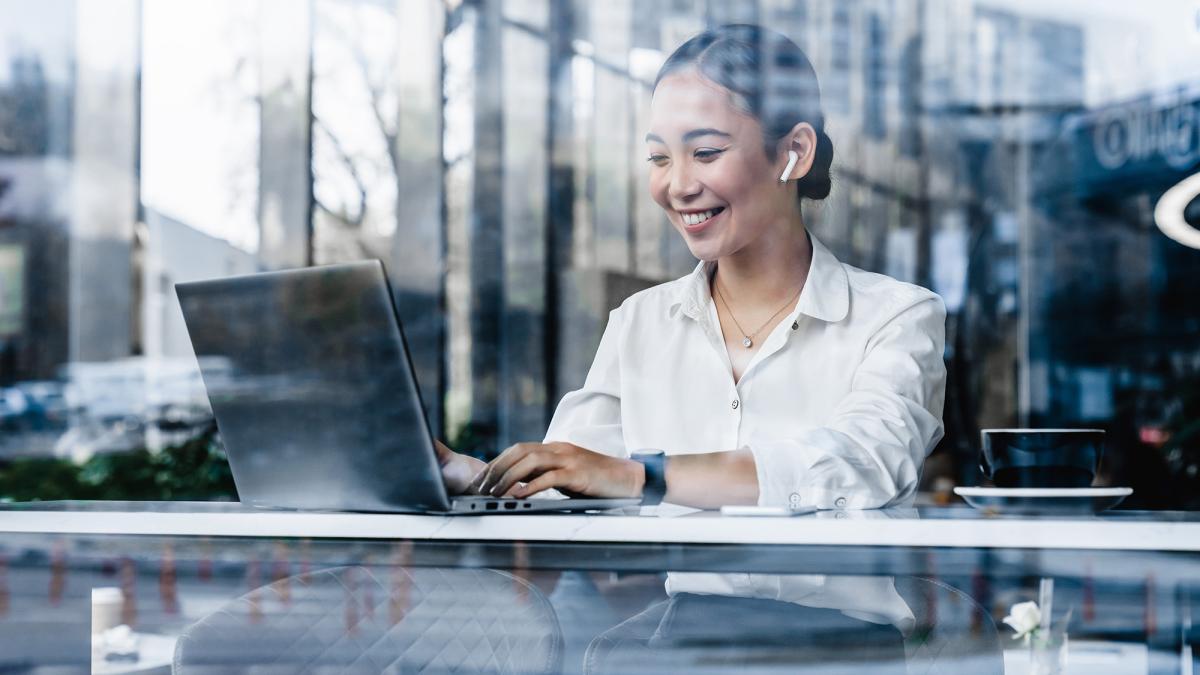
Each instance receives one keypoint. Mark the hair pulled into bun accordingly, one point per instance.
(817, 183)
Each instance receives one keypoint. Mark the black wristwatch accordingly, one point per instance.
(655, 462)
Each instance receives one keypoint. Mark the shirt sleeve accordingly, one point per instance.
(870, 454)
(590, 417)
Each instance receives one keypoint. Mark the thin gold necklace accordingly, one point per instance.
(748, 338)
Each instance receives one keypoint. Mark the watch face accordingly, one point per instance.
(655, 486)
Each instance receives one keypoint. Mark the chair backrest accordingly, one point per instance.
(344, 620)
(953, 633)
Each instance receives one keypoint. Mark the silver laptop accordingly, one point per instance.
(315, 396)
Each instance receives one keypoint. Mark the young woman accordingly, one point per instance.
(772, 374)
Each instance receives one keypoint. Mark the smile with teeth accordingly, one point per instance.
(700, 217)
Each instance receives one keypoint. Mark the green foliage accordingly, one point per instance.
(195, 470)
(41, 479)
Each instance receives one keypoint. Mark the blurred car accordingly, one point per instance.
(47, 402)
(13, 406)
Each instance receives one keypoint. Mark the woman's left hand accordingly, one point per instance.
(528, 468)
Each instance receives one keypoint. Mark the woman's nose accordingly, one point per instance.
(683, 183)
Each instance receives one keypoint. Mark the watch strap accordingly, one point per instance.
(655, 486)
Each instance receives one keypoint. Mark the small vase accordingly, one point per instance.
(1048, 653)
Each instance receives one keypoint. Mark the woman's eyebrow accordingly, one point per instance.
(694, 133)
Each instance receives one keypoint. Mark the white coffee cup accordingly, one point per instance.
(107, 603)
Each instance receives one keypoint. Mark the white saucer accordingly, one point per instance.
(1043, 500)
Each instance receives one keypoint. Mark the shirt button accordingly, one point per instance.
(794, 499)
(736, 403)
(795, 325)
(840, 502)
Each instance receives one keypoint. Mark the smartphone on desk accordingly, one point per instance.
(766, 511)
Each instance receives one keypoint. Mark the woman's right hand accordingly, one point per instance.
(457, 469)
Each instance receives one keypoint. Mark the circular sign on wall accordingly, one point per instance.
(1177, 213)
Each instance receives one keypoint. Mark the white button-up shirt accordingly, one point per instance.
(839, 406)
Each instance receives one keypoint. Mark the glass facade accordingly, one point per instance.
(1036, 164)
(1009, 156)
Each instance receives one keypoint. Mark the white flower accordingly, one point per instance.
(1024, 617)
(119, 640)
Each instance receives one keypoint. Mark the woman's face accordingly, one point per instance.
(709, 171)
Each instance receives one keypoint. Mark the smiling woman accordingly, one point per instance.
(773, 374)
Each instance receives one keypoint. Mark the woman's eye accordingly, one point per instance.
(657, 160)
(704, 155)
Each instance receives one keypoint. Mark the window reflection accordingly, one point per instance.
(1035, 165)
(388, 600)
(1009, 156)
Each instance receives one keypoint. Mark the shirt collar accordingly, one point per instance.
(826, 293)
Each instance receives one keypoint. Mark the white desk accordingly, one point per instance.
(954, 528)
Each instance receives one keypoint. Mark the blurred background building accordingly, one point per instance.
(1005, 154)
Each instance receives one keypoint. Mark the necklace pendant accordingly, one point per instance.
(747, 343)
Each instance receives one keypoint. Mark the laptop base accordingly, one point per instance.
(483, 506)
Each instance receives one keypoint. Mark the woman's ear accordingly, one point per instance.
(802, 140)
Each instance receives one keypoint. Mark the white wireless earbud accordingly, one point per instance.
(792, 159)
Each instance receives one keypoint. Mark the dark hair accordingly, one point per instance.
(770, 78)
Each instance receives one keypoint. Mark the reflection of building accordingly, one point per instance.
(547, 224)
(490, 154)
(933, 107)
(1115, 321)
(12, 290)
(996, 84)
(67, 197)
(936, 109)
(34, 114)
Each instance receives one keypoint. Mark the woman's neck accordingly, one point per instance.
(766, 273)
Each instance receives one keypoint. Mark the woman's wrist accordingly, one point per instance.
(458, 470)
(637, 477)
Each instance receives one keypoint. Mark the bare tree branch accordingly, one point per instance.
(377, 97)
(348, 162)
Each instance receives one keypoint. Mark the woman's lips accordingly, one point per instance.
(702, 225)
